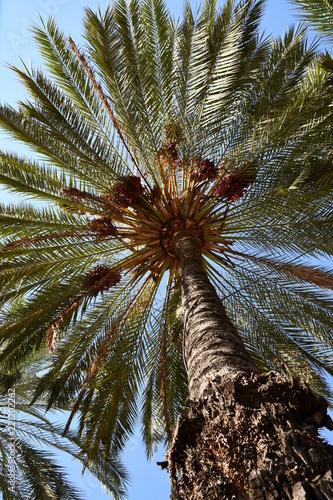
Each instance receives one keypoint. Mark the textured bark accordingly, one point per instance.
(252, 438)
(247, 436)
(212, 345)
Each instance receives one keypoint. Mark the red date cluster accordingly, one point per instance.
(101, 278)
(232, 186)
(126, 190)
(103, 226)
(207, 170)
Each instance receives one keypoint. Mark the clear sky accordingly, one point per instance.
(148, 481)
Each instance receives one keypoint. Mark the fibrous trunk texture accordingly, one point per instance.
(212, 344)
(252, 438)
(247, 436)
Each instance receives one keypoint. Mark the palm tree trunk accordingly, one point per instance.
(213, 347)
(247, 435)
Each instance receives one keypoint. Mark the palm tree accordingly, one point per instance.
(187, 177)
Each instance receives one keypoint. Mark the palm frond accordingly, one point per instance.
(36, 440)
(318, 13)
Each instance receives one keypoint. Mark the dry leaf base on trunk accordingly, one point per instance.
(252, 438)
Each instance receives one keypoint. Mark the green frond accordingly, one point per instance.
(165, 386)
(275, 316)
(318, 13)
(31, 179)
(38, 475)
(126, 79)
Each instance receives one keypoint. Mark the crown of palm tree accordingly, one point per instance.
(155, 127)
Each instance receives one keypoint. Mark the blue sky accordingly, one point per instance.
(148, 481)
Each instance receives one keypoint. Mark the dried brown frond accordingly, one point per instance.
(75, 194)
(310, 274)
(306, 273)
(22, 241)
(97, 86)
(54, 329)
(52, 336)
